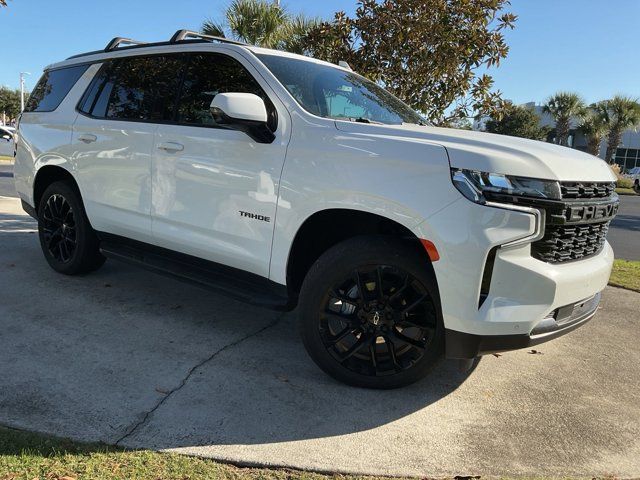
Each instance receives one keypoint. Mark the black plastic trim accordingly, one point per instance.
(135, 47)
(461, 345)
(485, 286)
(29, 209)
(238, 284)
(117, 41)
(259, 132)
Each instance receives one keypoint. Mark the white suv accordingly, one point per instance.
(289, 182)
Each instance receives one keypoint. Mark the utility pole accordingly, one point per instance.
(22, 74)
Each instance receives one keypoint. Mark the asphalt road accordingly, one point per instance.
(6, 181)
(624, 234)
(127, 357)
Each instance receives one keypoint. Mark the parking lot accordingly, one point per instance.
(127, 357)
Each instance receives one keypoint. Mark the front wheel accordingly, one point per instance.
(370, 315)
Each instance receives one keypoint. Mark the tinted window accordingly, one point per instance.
(135, 88)
(331, 92)
(207, 75)
(53, 86)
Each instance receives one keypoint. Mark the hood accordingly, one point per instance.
(489, 152)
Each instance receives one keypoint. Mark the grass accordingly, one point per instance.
(30, 456)
(625, 186)
(626, 274)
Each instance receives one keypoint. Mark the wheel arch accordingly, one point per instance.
(326, 228)
(47, 175)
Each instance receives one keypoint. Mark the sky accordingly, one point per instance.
(588, 46)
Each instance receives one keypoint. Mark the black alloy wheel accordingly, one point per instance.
(370, 312)
(59, 228)
(378, 321)
(68, 242)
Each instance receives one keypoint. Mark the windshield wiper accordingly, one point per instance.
(365, 120)
(358, 120)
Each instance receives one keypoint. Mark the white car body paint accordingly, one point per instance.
(189, 199)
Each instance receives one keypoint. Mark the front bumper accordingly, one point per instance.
(508, 305)
(561, 321)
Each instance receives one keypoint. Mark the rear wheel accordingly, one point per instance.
(370, 315)
(68, 242)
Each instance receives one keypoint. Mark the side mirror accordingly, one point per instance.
(245, 112)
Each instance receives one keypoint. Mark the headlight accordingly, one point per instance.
(482, 186)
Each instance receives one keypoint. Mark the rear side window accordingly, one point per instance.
(205, 76)
(53, 87)
(134, 88)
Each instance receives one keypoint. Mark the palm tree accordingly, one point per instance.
(209, 27)
(594, 127)
(294, 33)
(563, 106)
(262, 23)
(621, 113)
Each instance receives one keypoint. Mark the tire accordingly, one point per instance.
(68, 242)
(392, 337)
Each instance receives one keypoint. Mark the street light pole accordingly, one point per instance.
(22, 74)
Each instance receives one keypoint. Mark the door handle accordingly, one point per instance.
(171, 147)
(87, 138)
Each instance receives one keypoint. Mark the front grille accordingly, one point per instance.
(586, 190)
(562, 243)
(576, 227)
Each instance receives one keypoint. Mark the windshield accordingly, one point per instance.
(331, 92)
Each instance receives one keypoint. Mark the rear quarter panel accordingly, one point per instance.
(44, 138)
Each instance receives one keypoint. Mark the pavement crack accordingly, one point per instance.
(134, 427)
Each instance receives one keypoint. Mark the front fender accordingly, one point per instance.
(404, 180)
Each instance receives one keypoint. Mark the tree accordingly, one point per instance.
(429, 53)
(594, 127)
(620, 113)
(518, 121)
(461, 124)
(564, 106)
(262, 23)
(9, 102)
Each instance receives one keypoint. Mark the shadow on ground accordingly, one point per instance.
(16, 224)
(627, 222)
(93, 358)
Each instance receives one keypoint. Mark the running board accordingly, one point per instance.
(237, 284)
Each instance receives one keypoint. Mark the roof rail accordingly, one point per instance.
(184, 35)
(116, 42)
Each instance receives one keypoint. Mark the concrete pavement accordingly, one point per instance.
(128, 357)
